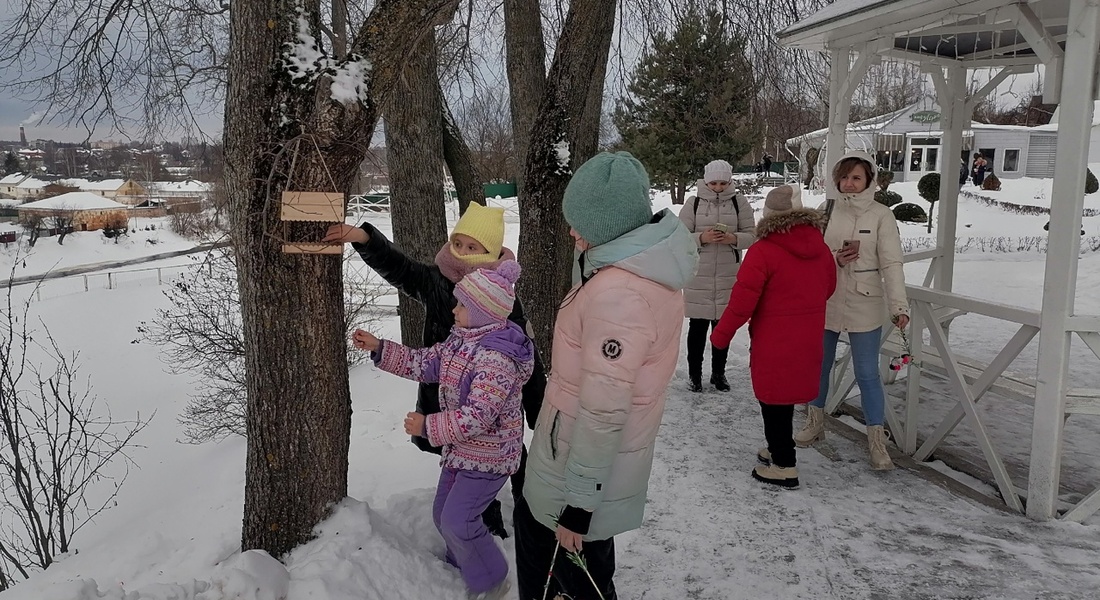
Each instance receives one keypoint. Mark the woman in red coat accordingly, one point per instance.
(781, 290)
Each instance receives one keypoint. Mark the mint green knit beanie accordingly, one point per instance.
(607, 197)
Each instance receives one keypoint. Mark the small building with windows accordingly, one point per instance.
(907, 142)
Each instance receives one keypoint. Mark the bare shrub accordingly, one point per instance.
(56, 443)
(201, 334)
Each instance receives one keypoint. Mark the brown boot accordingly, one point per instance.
(813, 430)
(876, 444)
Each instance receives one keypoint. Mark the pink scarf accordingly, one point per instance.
(454, 268)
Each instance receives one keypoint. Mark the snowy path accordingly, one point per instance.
(713, 532)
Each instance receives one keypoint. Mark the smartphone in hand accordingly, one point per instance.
(721, 228)
(851, 245)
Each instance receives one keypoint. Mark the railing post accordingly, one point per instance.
(85, 283)
(110, 284)
(159, 280)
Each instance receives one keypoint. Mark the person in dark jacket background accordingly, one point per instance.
(477, 241)
(782, 288)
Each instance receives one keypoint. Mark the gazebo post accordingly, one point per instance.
(1063, 246)
(843, 79)
(836, 140)
(949, 89)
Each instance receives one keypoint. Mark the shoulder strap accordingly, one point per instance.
(695, 208)
(828, 212)
(736, 205)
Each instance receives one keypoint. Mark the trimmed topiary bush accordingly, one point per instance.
(929, 187)
(910, 213)
(885, 178)
(1091, 185)
(887, 198)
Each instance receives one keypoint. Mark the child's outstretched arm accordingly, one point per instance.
(495, 376)
(418, 364)
(421, 282)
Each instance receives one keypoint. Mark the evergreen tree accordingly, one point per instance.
(11, 163)
(689, 101)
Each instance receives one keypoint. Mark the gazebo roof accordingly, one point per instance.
(979, 33)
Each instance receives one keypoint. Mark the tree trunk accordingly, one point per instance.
(460, 163)
(284, 133)
(414, 142)
(544, 242)
(526, 67)
(679, 188)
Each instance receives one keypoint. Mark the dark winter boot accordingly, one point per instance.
(695, 374)
(494, 521)
(718, 369)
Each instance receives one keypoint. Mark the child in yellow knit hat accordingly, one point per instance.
(476, 242)
(478, 237)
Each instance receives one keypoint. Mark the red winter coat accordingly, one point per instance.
(783, 284)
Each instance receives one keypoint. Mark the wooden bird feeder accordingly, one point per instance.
(318, 207)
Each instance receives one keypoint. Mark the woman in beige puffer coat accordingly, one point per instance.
(870, 286)
(714, 207)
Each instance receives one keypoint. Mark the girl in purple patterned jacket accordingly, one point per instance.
(481, 369)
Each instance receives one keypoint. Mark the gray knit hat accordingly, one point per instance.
(782, 199)
(607, 197)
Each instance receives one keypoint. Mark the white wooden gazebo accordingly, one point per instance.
(948, 38)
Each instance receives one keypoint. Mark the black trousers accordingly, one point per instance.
(697, 341)
(535, 544)
(779, 432)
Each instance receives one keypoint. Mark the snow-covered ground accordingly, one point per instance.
(710, 532)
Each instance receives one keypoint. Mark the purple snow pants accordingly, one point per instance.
(460, 499)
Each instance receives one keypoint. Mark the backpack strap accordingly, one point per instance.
(695, 208)
(828, 212)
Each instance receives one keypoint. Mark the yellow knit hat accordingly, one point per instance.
(484, 224)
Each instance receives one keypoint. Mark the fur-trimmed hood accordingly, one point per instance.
(784, 221)
(780, 228)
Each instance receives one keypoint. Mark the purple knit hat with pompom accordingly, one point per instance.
(489, 294)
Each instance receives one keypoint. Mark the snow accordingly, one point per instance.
(561, 151)
(710, 531)
(304, 58)
(75, 201)
(106, 185)
(12, 179)
(189, 186)
(349, 83)
(32, 183)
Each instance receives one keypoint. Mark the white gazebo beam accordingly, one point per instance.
(1063, 247)
(899, 21)
(947, 61)
(1000, 50)
(844, 76)
(949, 89)
(1045, 48)
(995, 81)
(967, 28)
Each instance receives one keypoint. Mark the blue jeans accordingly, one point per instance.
(872, 394)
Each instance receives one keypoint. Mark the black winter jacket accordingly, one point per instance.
(426, 284)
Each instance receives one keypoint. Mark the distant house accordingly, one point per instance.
(30, 188)
(907, 142)
(88, 211)
(8, 184)
(1094, 133)
(173, 193)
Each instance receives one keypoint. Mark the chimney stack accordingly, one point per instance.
(22, 136)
